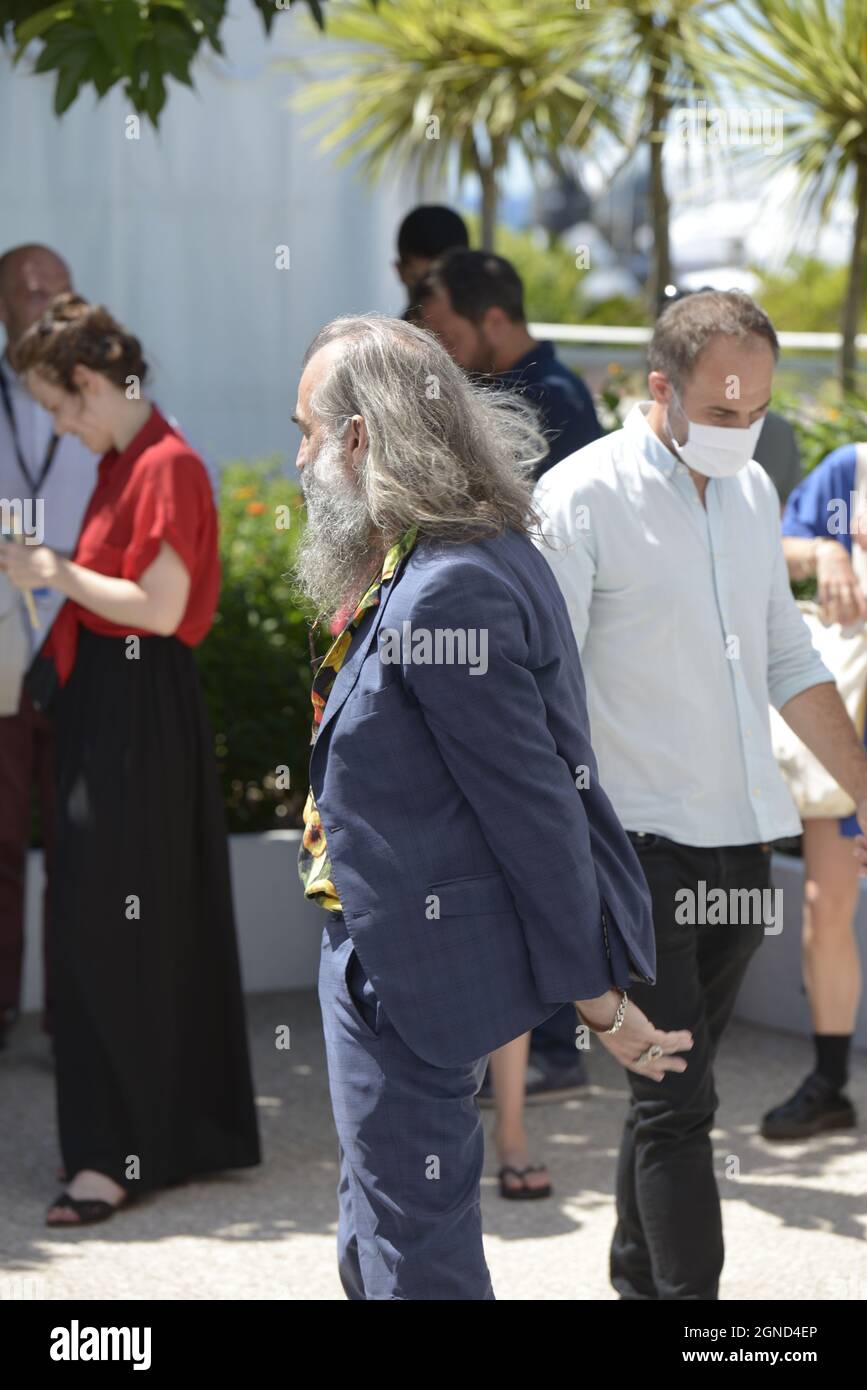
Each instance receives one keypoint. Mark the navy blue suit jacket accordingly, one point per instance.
(471, 868)
(562, 399)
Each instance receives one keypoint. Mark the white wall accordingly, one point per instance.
(176, 232)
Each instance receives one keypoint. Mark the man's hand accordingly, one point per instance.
(859, 844)
(635, 1035)
(840, 595)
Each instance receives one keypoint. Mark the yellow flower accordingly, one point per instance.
(314, 836)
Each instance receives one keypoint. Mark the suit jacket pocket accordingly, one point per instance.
(478, 895)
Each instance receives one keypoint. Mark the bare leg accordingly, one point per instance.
(508, 1077)
(832, 968)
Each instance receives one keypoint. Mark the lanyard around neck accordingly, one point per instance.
(35, 484)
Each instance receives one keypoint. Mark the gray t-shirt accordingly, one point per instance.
(778, 453)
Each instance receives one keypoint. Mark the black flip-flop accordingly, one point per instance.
(522, 1194)
(89, 1210)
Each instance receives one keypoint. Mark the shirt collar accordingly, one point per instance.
(393, 557)
(400, 548)
(153, 429)
(540, 354)
(650, 446)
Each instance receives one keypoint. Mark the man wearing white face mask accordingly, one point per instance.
(665, 539)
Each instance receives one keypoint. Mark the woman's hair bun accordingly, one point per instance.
(74, 332)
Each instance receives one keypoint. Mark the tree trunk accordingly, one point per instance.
(488, 180)
(852, 304)
(660, 274)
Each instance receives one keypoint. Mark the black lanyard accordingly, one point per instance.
(35, 484)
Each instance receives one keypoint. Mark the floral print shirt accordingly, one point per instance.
(314, 864)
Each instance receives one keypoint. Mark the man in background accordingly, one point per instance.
(424, 234)
(777, 446)
(778, 453)
(35, 467)
(665, 539)
(474, 302)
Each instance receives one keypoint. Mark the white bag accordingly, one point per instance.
(844, 651)
(14, 647)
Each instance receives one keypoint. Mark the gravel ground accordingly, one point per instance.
(795, 1215)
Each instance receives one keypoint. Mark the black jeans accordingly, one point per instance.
(668, 1242)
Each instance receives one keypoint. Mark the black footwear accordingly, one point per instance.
(546, 1082)
(816, 1105)
(7, 1018)
(524, 1193)
(89, 1210)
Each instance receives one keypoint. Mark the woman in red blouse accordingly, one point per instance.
(153, 1073)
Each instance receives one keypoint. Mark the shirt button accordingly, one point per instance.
(756, 791)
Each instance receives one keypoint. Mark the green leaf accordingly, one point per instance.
(119, 26)
(38, 24)
(172, 49)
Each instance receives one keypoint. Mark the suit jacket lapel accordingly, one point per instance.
(349, 672)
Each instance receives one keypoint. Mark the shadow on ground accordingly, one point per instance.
(269, 1232)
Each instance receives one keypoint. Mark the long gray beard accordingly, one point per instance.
(337, 554)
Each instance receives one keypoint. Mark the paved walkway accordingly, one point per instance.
(795, 1217)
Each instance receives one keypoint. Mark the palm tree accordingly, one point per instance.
(464, 79)
(811, 56)
(660, 58)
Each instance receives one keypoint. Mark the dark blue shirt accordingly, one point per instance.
(562, 399)
(820, 504)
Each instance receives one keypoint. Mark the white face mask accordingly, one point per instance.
(715, 450)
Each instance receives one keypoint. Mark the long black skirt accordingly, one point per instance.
(153, 1070)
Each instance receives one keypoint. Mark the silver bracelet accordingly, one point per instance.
(618, 1017)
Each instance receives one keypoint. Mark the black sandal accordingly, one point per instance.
(89, 1210)
(522, 1194)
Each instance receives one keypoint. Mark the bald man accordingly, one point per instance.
(35, 467)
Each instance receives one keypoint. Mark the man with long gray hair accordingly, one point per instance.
(474, 875)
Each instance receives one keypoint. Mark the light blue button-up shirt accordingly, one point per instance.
(63, 496)
(687, 630)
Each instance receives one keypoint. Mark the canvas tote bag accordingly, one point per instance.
(844, 651)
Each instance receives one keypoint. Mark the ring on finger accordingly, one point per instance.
(649, 1054)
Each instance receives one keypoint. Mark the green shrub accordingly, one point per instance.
(822, 426)
(805, 296)
(255, 663)
(552, 281)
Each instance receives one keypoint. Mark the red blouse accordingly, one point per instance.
(156, 490)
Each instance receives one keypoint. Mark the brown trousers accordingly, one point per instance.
(26, 758)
